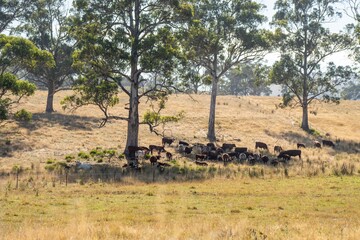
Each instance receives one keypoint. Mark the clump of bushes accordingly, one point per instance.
(23, 115)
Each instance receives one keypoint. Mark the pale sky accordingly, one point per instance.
(338, 58)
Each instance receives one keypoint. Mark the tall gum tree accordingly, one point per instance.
(129, 42)
(47, 27)
(221, 35)
(305, 45)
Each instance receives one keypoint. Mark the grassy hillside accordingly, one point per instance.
(240, 120)
(315, 198)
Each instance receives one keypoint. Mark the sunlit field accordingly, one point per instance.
(316, 197)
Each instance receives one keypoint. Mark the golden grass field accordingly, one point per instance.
(316, 198)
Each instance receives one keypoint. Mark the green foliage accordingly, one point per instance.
(92, 91)
(83, 155)
(18, 53)
(23, 115)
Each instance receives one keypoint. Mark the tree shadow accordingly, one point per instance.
(68, 122)
(345, 146)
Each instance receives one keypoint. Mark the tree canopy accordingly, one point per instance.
(17, 55)
(304, 47)
(221, 35)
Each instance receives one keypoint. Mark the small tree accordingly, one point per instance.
(222, 35)
(47, 27)
(306, 43)
(18, 54)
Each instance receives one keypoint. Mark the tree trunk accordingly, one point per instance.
(211, 127)
(133, 122)
(305, 117)
(50, 98)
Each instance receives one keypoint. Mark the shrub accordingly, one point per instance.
(23, 115)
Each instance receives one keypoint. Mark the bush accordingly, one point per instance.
(23, 115)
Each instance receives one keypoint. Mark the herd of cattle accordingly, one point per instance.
(226, 153)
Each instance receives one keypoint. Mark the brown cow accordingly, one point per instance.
(328, 143)
(167, 140)
(261, 145)
(158, 148)
(317, 144)
(291, 153)
(277, 149)
(153, 159)
(300, 145)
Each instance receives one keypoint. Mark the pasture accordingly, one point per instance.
(316, 198)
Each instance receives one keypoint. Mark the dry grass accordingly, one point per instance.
(296, 201)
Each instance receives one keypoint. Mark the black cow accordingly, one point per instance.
(300, 145)
(188, 150)
(317, 144)
(158, 148)
(328, 143)
(265, 159)
(183, 143)
(261, 145)
(211, 146)
(226, 157)
(277, 149)
(228, 146)
(200, 157)
(201, 163)
(240, 149)
(153, 159)
(167, 140)
(169, 155)
(291, 153)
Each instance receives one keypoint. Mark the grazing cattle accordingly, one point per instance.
(167, 140)
(183, 143)
(153, 160)
(188, 150)
(277, 149)
(212, 155)
(242, 157)
(226, 157)
(161, 164)
(233, 154)
(291, 153)
(133, 151)
(261, 145)
(220, 150)
(200, 157)
(328, 143)
(285, 157)
(265, 159)
(211, 146)
(158, 148)
(201, 163)
(240, 149)
(274, 162)
(169, 156)
(228, 146)
(198, 148)
(300, 145)
(317, 144)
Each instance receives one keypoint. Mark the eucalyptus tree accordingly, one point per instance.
(47, 26)
(129, 43)
(223, 34)
(305, 45)
(18, 55)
